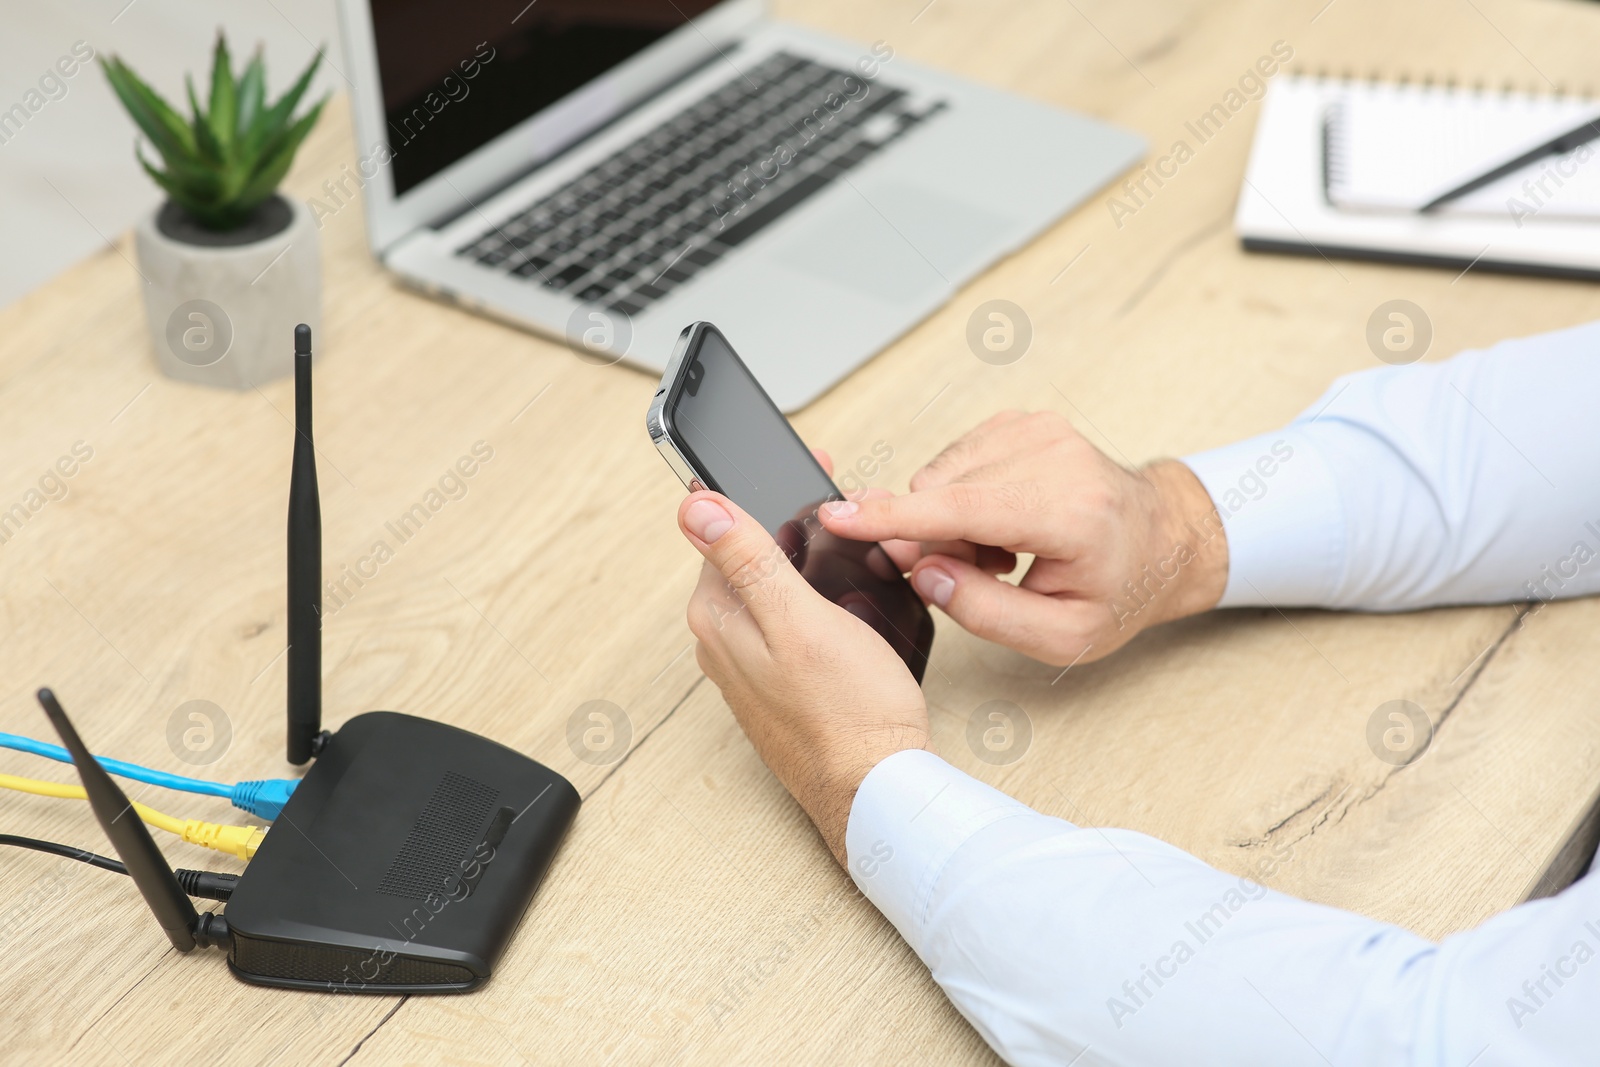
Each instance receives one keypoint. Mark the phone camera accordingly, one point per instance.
(691, 382)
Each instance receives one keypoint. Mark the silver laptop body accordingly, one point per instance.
(605, 172)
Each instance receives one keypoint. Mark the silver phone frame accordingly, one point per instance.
(658, 420)
(659, 423)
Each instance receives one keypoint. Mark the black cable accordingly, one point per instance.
(67, 851)
(209, 885)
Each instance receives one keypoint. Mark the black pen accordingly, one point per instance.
(1583, 134)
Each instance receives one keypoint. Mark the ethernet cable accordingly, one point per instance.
(264, 798)
(241, 841)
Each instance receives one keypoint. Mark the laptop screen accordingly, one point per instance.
(456, 75)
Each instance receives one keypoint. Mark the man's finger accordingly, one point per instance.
(1054, 631)
(904, 553)
(978, 446)
(1007, 439)
(823, 458)
(1011, 517)
(744, 554)
(965, 551)
(718, 619)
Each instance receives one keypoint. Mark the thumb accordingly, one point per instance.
(746, 556)
(1035, 624)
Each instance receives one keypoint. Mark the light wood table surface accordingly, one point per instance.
(693, 915)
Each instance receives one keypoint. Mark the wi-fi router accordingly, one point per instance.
(407, 855)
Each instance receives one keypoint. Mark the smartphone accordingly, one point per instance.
(718, 429)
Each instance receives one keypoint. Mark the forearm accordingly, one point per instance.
(1052, 938)
(1468, 481)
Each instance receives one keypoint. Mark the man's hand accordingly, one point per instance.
(1117, 550)
(821, 696)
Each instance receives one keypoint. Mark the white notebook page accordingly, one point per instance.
(1394, 147)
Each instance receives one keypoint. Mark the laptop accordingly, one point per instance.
(608, 171)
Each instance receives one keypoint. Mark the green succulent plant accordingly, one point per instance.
(229, 158)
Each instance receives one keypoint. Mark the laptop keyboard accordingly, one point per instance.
(654, 214)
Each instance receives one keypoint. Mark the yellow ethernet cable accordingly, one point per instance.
(241, 841)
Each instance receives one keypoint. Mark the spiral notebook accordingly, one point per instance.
(1339, 167)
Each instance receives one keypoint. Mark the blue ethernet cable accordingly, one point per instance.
(263, 798)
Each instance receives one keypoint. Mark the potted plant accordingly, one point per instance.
(229, 265)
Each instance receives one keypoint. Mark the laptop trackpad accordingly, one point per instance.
(895, 241)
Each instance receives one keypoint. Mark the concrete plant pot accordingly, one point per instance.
(222, 307)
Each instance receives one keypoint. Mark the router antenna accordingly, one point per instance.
(184, 926)
(305, 570)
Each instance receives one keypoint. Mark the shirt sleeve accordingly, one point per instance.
(1474, 480)
(1071, 945)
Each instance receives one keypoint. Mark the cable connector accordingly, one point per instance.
(241, 841)
(211, 885)
(265, 797)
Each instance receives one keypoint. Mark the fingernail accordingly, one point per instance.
(936, 585)
(841, 509)
(707, 520)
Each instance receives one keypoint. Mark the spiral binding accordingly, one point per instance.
(1447, 83)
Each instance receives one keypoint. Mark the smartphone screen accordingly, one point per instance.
(738, 443)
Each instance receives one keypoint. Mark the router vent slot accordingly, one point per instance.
(344, 969)
(439, 840)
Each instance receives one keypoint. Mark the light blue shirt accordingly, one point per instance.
(1473, 480)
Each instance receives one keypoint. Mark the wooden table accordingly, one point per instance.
(693, 914)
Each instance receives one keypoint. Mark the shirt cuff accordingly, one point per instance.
(911, 814)
(1283, 516)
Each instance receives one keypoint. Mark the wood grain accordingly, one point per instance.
(693, 915)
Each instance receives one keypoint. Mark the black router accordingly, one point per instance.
(407, 855)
